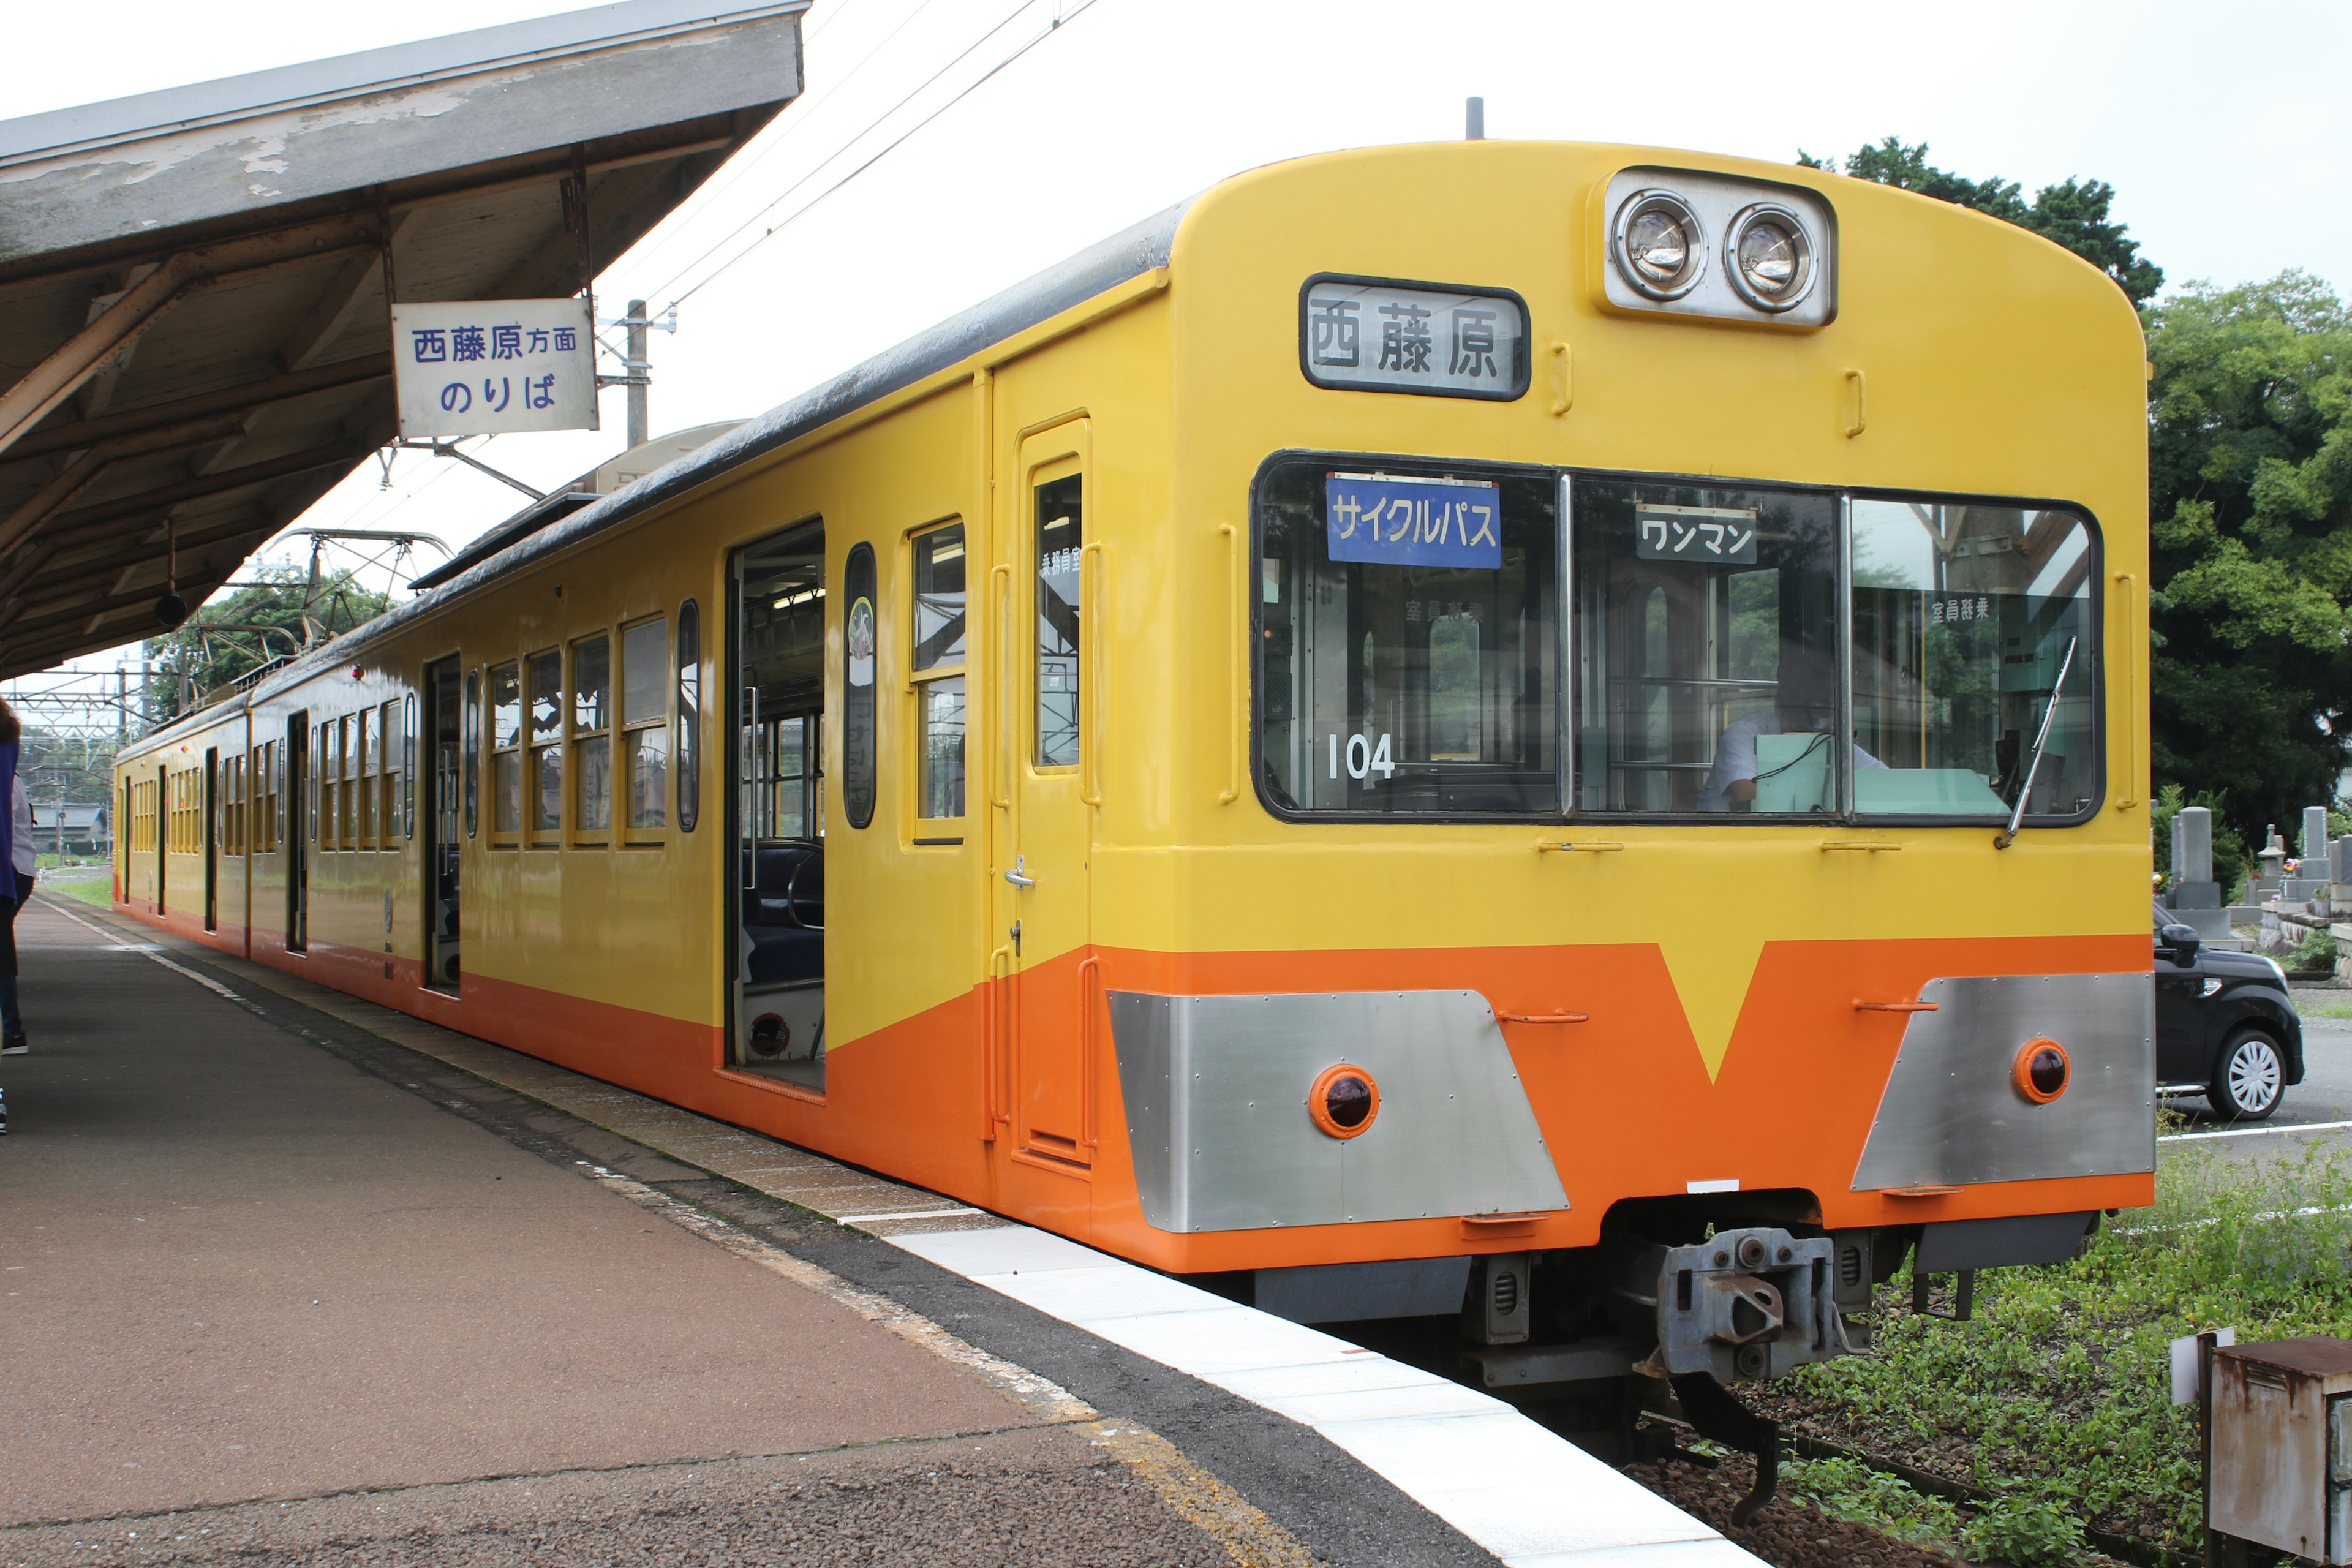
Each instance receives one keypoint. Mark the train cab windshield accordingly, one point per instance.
(1719, 639)
(1410, 656)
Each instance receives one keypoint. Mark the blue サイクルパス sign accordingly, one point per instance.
(1414, 522)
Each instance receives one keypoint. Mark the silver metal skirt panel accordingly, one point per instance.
(1951, 1115)
(1215, 1088)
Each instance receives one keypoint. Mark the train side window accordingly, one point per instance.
(939, 671)
(506, 752)
(348, 835)
(1407, 639)
(1707, 628)
(404, 761)
(365, 762)
(472, 744)
(592, 739)
(1964, 614)
(1061, 540)
(544, 672)
(689, 715)
(325, 820)
(645, 726)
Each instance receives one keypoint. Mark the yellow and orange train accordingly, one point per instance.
(1321, 747)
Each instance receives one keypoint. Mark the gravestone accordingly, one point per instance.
(2193, 887)
(2311, 876)
(2339, 861)
(2196, 897)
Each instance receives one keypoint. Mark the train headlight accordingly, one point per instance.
(1660, 247)
(1344, 1101)
(2041, 1071)
(1769, 256)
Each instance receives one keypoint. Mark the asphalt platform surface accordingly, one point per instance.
(273, 1289)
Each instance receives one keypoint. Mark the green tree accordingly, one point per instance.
(2249, 421)
(2074, 213)
(261, 621)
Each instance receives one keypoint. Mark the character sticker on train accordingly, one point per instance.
(1414, 522)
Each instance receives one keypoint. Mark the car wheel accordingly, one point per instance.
(2250, 1080)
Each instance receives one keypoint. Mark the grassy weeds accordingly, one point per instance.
(2056, 1397)
(2025, 1533)
(97, 889)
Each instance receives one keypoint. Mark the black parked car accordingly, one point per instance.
(2224, 1025)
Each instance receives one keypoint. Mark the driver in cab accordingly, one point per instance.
(1804, 703)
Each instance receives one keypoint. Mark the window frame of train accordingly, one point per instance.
(642, 749)
(938, 665)
(686, 768)
(589, 733)
(503, 752)
(544, 711)
(2066, 534)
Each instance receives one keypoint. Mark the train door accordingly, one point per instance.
(162, 832)
(212, 837)
(445, 725)
(1046, 878)
(297, 838)
(775, 892)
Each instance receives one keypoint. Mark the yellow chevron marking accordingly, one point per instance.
(1711, 972)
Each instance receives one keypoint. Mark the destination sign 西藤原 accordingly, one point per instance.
(1362, 334)
(487, 367)
(1713, 535)
(1414, 522)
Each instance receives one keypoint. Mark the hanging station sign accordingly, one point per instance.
(487, 367)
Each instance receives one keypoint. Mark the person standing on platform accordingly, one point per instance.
(16, 853)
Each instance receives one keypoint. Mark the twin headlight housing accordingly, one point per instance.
(1687, 242)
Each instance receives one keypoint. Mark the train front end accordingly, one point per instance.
(1658, 828)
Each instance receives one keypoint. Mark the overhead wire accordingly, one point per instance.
(1059, 20)
(1055, 25)
(707, 197)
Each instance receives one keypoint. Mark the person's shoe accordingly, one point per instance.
(16, 1045)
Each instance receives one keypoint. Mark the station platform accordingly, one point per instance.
(286, 1277)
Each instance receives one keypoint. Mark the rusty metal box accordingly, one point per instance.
(2281, 1472)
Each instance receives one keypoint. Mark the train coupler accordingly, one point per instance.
(1747, 1304)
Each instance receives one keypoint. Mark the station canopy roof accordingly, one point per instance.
(194, 344)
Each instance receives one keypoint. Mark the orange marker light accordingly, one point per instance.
(2041, 1071)
(1345, 1101)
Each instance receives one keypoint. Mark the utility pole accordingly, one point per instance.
(635, 366)
(640, 416)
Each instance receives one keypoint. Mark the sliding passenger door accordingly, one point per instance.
(776, 951)
(1044, 878)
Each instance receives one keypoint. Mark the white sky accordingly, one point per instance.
(2224, 158)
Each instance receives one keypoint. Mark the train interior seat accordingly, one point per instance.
(781, 1017)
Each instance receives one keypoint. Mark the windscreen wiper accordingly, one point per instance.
(2002, 839)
